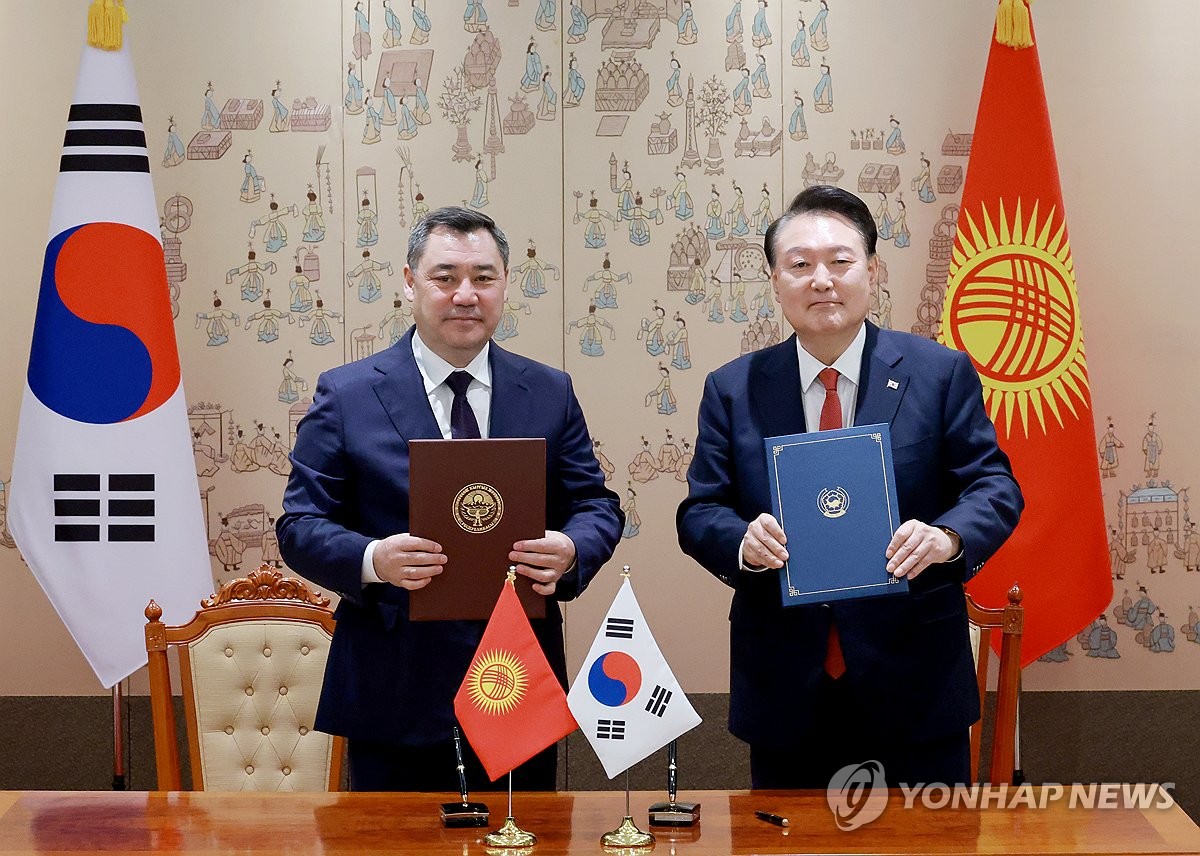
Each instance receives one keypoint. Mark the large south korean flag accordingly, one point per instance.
(625, 698)
(105, 505)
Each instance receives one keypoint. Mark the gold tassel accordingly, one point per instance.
(1013, 27)
(106, 18)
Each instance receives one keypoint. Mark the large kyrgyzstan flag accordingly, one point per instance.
(1012, 305)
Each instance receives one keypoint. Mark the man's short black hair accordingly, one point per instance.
(455, 219)
(826, 199)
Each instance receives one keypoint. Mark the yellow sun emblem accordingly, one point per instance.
(497, 682)
(1011, 303)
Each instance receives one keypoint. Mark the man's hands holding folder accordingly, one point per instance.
(913, 548)
(762, 545)
(407, 561)
(916, 545)
(410, 562)
(544, 560)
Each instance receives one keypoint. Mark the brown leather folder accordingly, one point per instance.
(476, 498)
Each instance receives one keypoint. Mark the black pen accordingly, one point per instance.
(775, 819)
(462, 768)
(672, 755)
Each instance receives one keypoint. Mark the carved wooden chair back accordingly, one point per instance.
(251, 663)
(1007, 621)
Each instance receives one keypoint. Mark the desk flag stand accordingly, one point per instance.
(627, 834)
(510, 835)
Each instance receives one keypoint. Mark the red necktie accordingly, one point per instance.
(831, 417)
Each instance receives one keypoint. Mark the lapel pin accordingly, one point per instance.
(893, 384)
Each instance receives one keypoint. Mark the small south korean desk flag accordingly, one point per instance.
(625, 698)
(105, 505)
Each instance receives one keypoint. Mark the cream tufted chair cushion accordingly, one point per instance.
(256, 685)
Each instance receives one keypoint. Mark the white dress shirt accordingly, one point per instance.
(849, 369)
(434, 371)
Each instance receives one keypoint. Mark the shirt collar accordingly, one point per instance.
(848, 365)
(435, 370)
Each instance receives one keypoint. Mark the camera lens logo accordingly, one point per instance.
(857, 795)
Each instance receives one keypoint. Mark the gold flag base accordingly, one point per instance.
(510, 835)
(627, 835)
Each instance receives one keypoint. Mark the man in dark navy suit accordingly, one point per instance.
(390, 683)
(817, 687)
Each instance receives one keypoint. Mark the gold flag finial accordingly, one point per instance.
(511, 578)
(1013, 28)
(106, 18)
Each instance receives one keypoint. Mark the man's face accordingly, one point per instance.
(457, 293)
(822, 280)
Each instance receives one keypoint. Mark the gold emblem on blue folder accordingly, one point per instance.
(833, 502)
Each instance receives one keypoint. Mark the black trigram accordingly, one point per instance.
(100, 139)
(619, 628)
(77, 515)
(610, 729)
(659, 699)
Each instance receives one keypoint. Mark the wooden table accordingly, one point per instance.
(47, 822)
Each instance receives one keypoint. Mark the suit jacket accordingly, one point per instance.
(389, 679)
(907, 656)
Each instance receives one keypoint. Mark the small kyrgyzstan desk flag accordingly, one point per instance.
(510, 704)
(105, 506)
(1012, 305)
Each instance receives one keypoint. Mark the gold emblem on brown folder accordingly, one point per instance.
(478, 507)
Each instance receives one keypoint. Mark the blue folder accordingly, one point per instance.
(834, 494)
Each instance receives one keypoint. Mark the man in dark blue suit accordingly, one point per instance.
(390, 683)
(814, 688)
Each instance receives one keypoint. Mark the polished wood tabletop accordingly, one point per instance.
(49, 822)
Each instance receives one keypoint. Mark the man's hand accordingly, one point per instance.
(544, 560)
(408, 561)
(762, 545)
(916, 546)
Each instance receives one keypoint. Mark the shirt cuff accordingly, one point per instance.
(952, 535)
(742, 562)
(368, 565)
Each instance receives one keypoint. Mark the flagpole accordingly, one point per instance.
(118, 779)
(1018, 776)
(627, 834)
(510, 835)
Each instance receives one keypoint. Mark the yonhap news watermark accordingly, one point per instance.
(858, 794)
(1096, 796)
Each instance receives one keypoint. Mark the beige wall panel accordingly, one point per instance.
(1113, 78)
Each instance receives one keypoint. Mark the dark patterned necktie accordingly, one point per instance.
(463, 425)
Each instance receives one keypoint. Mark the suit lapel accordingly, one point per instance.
(401, 391)
(883, 381)
(774, 387)
(512, 400)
